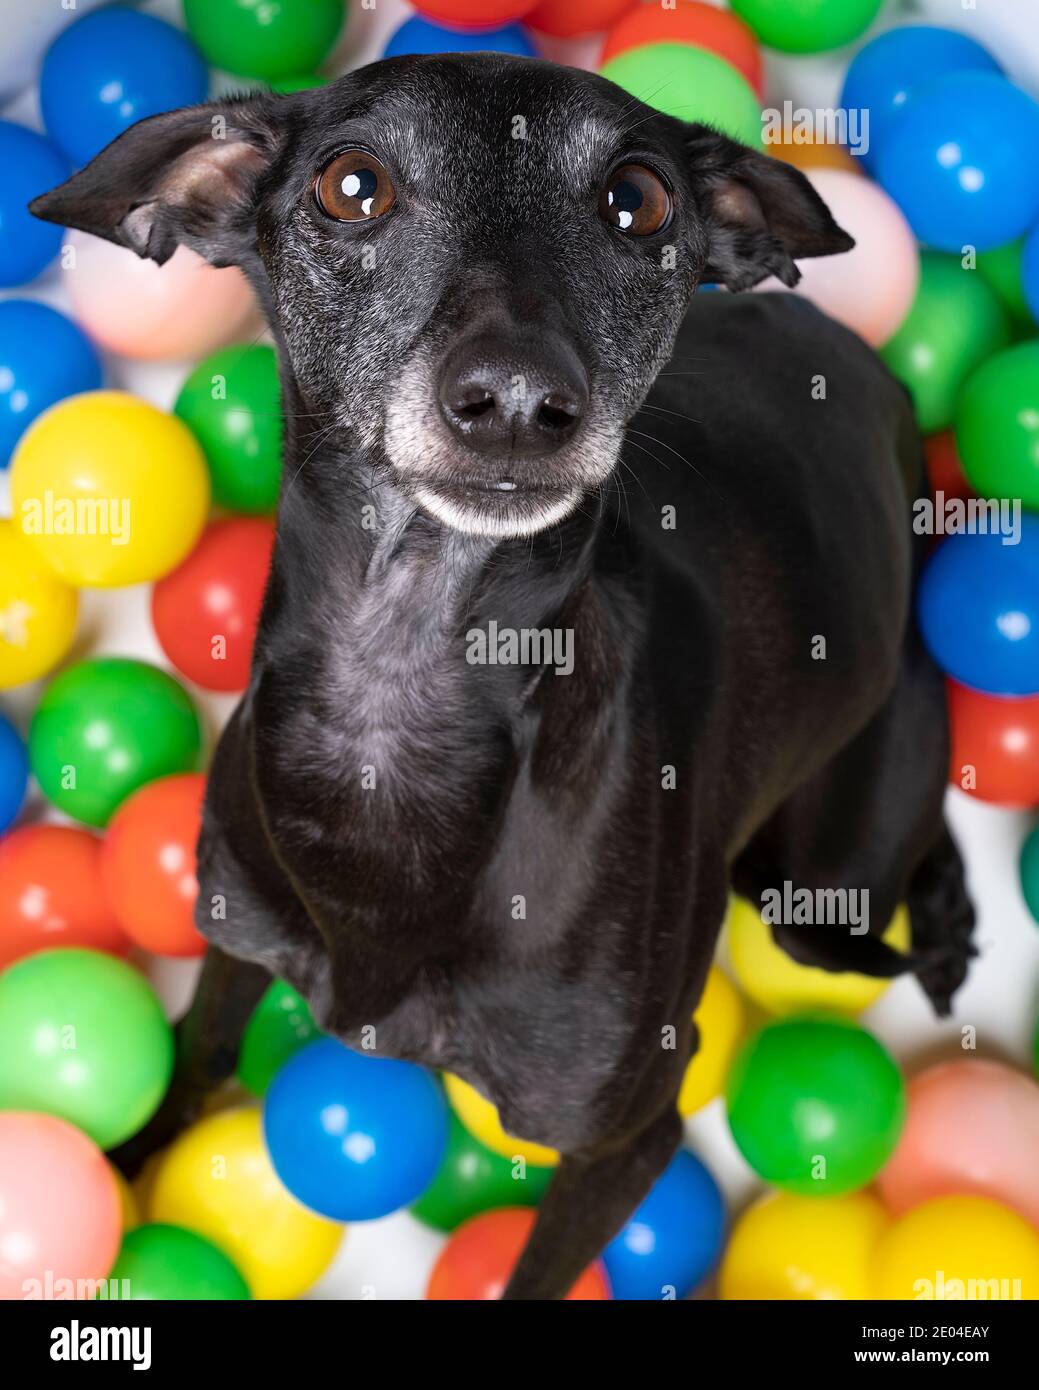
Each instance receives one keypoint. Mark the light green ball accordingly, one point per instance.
(691, 85)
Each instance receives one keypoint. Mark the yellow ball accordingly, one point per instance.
(109, 489)
(782, 986)
(37, 612)
(788, 1247)
(480, 1118)
(127, 1201)
(217, 1180)
(958, 1248)
(719, 1017)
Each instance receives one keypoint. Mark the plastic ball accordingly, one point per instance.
(816, 1105)
(59, 1209)
(281, 1025)
(1030, 273)
(110, 490)
(418, 35)
(232, 404)
(810, 26)
(29, 28)
(129, 1213)
(978, 609)
(260, 40)
(37, 611)
(51, 893)
(781, 985)
(995, 746)
(565, 19)
(14, 773)
(786, 1248)
(719, 1019)
(871, 287)
(148, 865)
(971, 1127)
(885, 72)
(167, 1262)
(480, 1117)
(958, 161)
(205, 613)
(300, 82)
(43, 358)
(104, 728)
(83, 1037)
(955, 322)
(955, 1248)
(808, 155)
(1003, 269)
(216, 1180)
(672, 1241)
(471, 1179)
(477, 14)
(156, 313)
(690, 84)
(111, 69)
(477, 1261)
(944, 469)
(354, 1137)
(31, 166)
(1030, 870)
(694, 22)
(997, 425)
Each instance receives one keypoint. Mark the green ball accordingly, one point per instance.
(997, 425)
(691, 85)
(1001, 268)
(816, 1105)
(162, 1263)
(106, 727)
(232, 404)
(301, 82)
(1030, 872)
(955, 323)
(807, 26)
(83, 1037)
(265, 38)
(280, 1026)
(471, 1179)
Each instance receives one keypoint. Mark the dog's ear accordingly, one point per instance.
(186, 177)
(762, 215)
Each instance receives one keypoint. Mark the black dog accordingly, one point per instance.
(475, 268)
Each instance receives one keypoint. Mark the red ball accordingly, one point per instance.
(565, 19)
(695, 23)
(944, 469)
(476, 1262)
(205, 612)
(995, 746)
(148, 864)
(52, 894)
(474, 14)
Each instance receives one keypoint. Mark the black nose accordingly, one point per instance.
(503, 396)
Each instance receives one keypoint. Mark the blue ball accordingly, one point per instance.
(43, 358)
(886, 71)
(354, 1137)
(1030, 272)
(675, 1237)
(979, 610)
(14, 773)
(110, 69)
(31, 166)
(418, 35)
(960, 161)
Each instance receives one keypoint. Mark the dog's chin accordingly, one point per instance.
(497, 512)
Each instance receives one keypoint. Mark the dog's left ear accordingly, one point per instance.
(187, 177)
(761, 214)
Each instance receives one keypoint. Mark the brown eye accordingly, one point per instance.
(354, 188)
(634, 200)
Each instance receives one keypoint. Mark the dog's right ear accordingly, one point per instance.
(187, 177)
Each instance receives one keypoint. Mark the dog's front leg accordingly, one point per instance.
(587, 1203)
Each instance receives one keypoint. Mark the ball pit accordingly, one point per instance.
(268, 41)
(997, 424)
(692, 22)
(690, 84)
(43, 358)
(168, 1262)
(37, 611)
(479, 1257)
(958, 1247)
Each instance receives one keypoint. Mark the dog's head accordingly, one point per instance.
(476, 264)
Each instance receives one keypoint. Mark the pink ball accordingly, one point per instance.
(183, 309)
(870, 288)
(60, 1216)
(972, 1128)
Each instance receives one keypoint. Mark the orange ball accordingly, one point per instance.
(52, 894)
(815, 155)
(693, 22)
(995, 746)
(477, 1261)
(565, 19)
(148, 864)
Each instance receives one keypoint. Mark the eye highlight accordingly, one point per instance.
(355, 187)
(635, 201)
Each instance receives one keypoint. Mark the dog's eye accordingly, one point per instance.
(634, 200)
(354, 188)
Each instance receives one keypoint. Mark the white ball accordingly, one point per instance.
(29, 27)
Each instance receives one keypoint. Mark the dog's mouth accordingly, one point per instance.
(504, 505)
